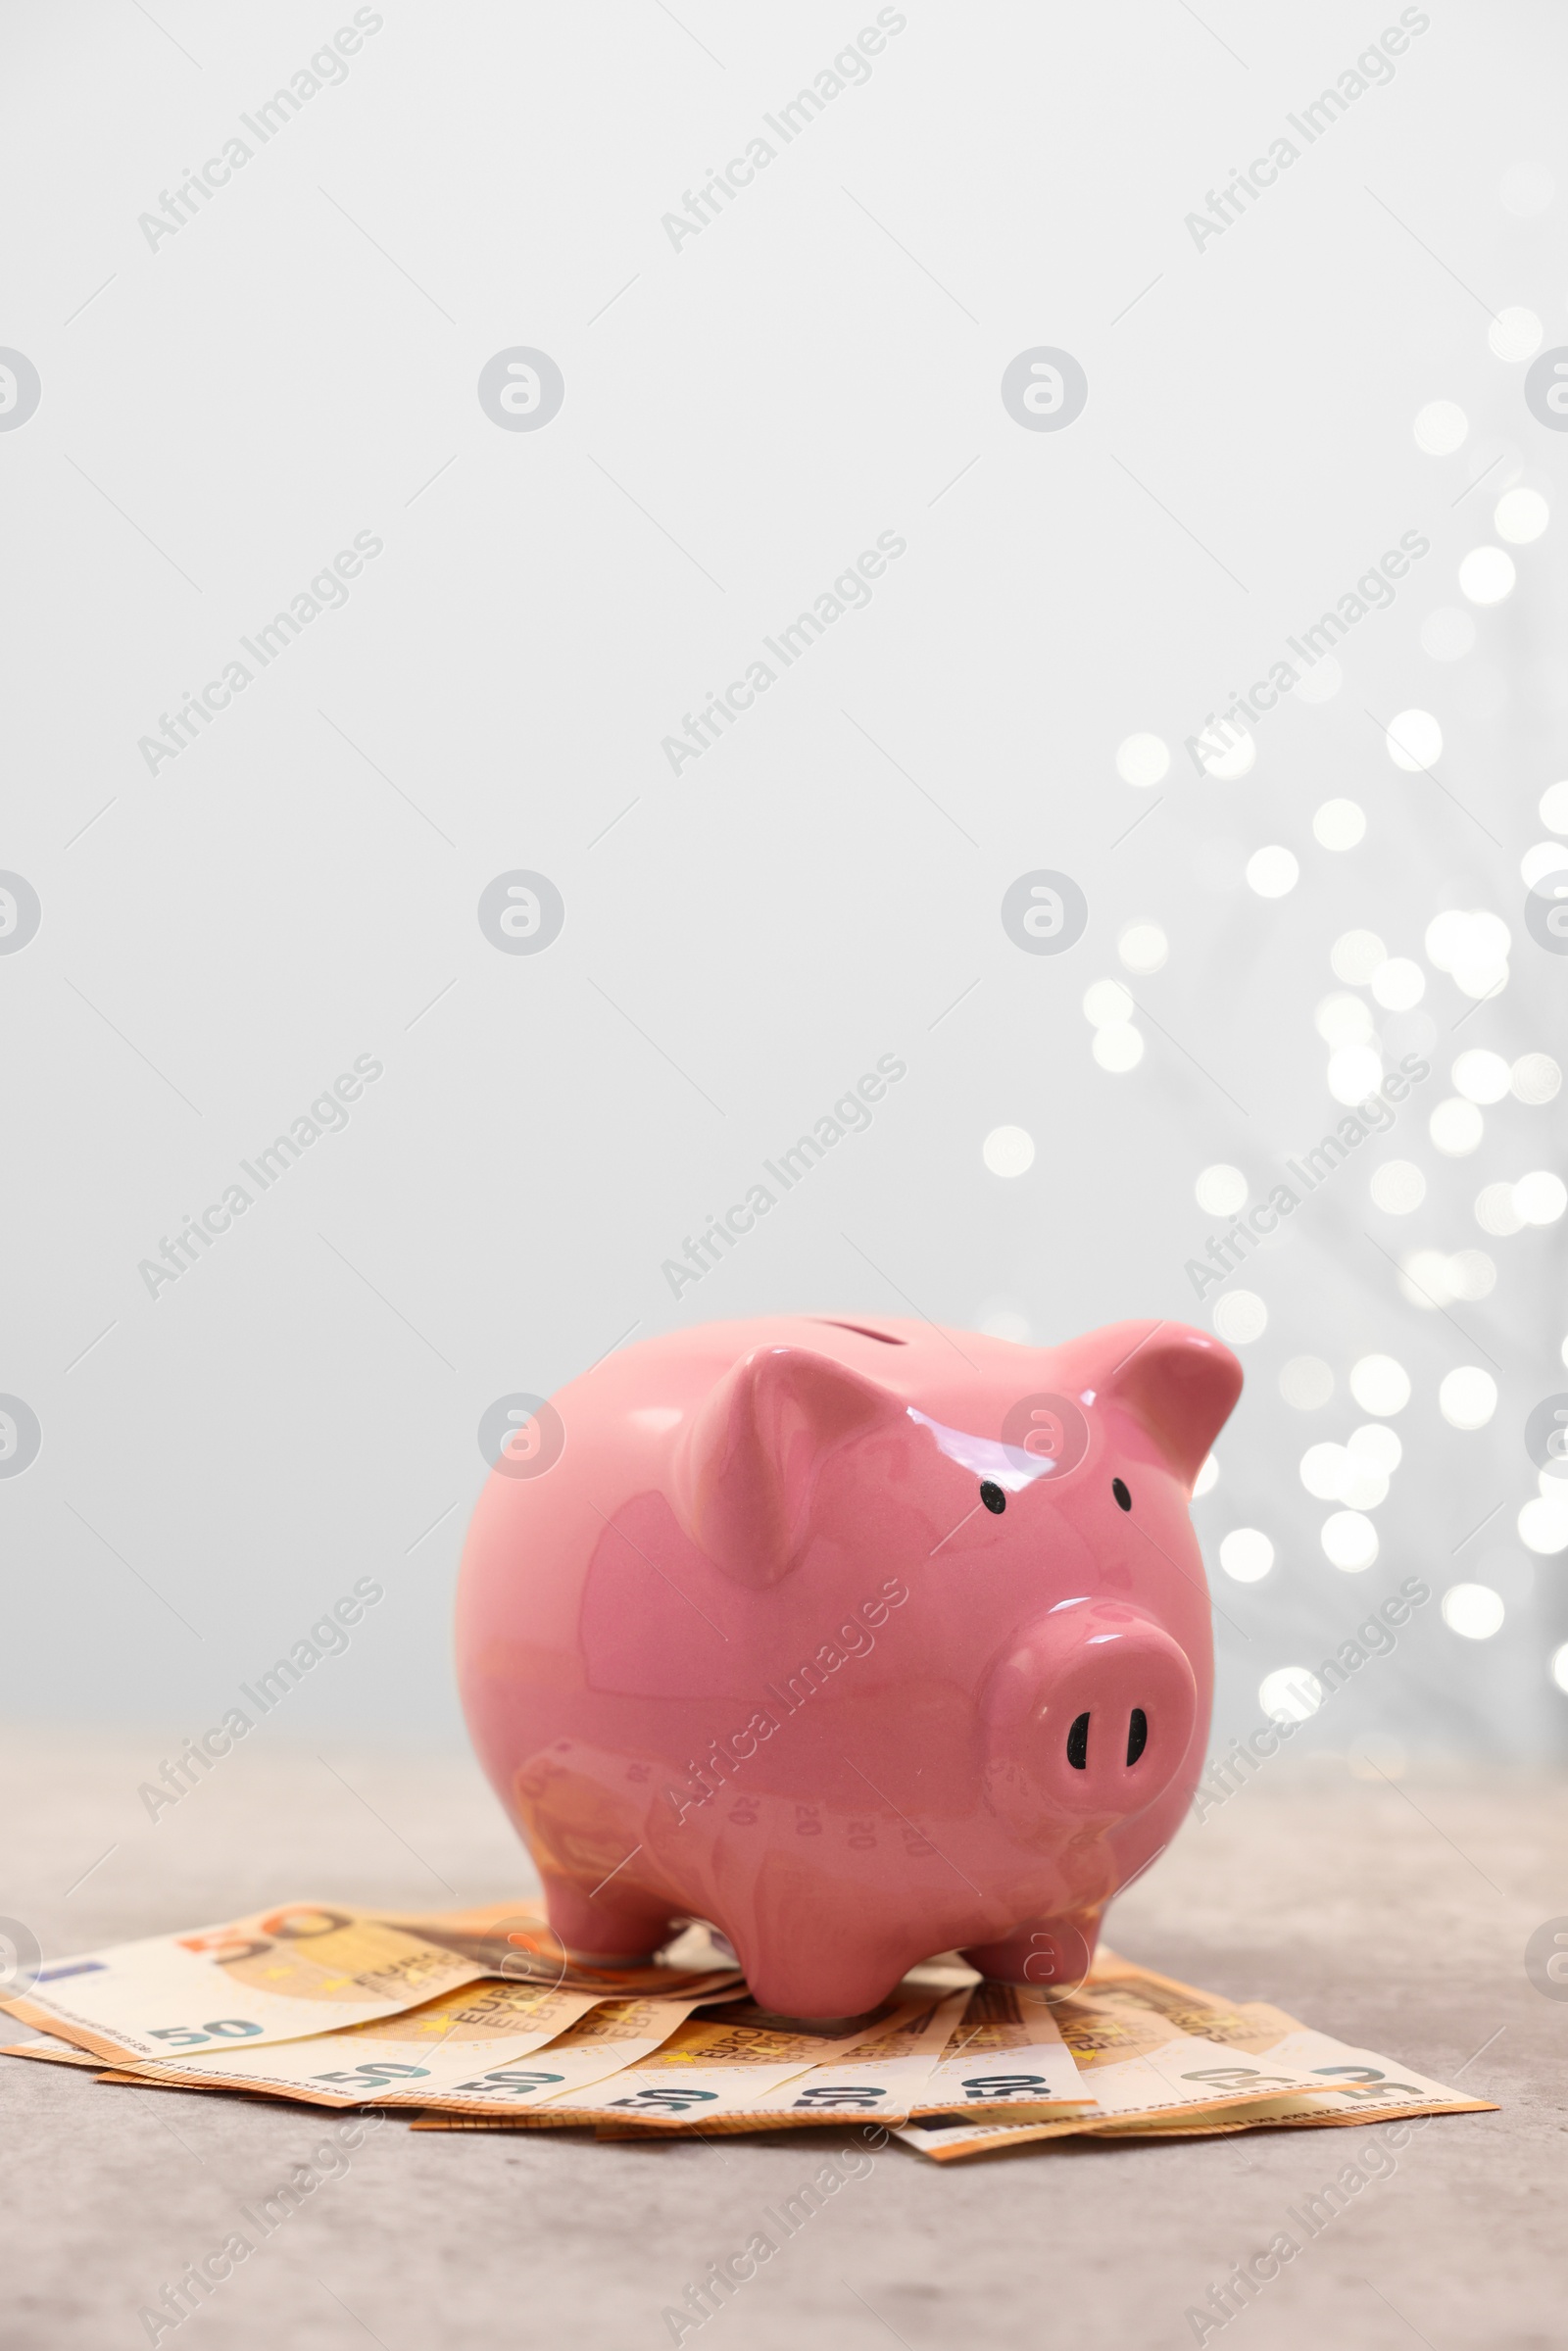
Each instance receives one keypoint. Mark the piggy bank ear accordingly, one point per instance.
(746, 1471)
(1182, 1384)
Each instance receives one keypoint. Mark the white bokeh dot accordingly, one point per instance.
(1206, 1479)
(1415, 740)
(1375, 1441)
(1008, 1151)
(1424, 1279)
(1292, 1694)
(1456, 1127)
(1544, 1525)
(1457, 939)
(1559, 1666)
(1364, 1486)
(1521, 516)
(1487, 575)
(1221, 1189)
(1107, 1001)
(1273, 873)
(1379, 1384)
(1355, 956)
(1117, 1047)
(1143, 761)
(1240, 1317)
(1397, 1187)
(1354, 1072)
(1472, 1274)
(1306, 1382)
(1399, 985)
(1481, 1076)
(1143, 947)
(1481, 979)
(1323, 1470)
(1514, 334)
(1540, 859)
(1554, 808)
(1473, 1610)
(1447, 634)
(1467, 1397)
(1247, 1556)
(1338, 824)
(1228, 751)
(1350, 1541)
(1535, 1078)
(1541, 1196)
(1344, 1020)
(1496, 1213)
(1441, 427)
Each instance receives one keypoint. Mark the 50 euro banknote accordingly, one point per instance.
(613, 2037)
(875, 2075)
(710, 2067)
(303, 1968)
(391, 2061)
(990, 2048)
(1348, 2084)
(1164, 2059)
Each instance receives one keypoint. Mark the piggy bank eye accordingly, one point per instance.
(993, 1497)
(1123, 1498)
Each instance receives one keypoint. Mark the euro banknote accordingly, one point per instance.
(1007, 2061)
(713, 2066)
(302, 1969)
(509, 2097)
(392, 2061)
(1348, 2084)
(875, 2077)
(50, 2051)
(479, 2019)
(1225, 2067)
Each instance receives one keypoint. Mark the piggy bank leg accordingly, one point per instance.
(1052, 1955)
(608, 1929)
(827, 1982)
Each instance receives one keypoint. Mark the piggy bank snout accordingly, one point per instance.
(1090, 1717)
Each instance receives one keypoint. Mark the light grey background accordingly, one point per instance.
(742, 416)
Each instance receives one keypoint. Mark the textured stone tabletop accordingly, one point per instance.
(1392, 1915)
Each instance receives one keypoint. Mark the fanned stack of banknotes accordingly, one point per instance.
(478, 2020)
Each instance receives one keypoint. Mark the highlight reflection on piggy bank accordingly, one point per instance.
(861, 1641)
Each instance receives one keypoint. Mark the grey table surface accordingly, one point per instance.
(1392, 1914)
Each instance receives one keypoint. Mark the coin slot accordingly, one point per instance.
(861, 1330)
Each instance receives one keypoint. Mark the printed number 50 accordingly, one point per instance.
(228, 2028)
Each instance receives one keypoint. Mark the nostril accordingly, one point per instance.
(1078, 1744)
(1137, 1734)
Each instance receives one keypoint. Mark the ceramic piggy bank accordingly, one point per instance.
(858, 1640)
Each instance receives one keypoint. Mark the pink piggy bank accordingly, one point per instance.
(860, 1641)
